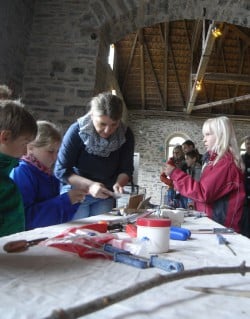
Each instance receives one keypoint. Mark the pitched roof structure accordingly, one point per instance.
(187, 67)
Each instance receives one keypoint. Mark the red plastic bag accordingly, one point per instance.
(86, 241)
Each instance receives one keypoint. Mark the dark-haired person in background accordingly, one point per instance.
(245, 227)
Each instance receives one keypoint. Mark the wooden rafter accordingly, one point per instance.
(242, 50)
(141, 40)
(165, 38)
(176, 73)
(222, 102)
(129, 62)
(241, 34)
(207, 50)
(225, 78)
(154, 74)
(194, 48)
(231, 110)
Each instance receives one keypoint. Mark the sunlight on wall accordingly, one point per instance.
(111, 55)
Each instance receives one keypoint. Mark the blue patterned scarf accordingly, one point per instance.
(94, 143)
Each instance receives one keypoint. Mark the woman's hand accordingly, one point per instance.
(98, 190)
(118, 188)
(121, 181)
(77, 195)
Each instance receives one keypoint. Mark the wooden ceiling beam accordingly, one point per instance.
(222, 102)
(130, 61)
(176, 73)
(225, 78)
(241, 66)
(154, 74)
(207, 50)
(168, 114)
(141, 41)
(165, 40)
(240, 33)
(196, 35)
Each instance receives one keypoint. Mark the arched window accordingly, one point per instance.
(172, 141)
(242, 147)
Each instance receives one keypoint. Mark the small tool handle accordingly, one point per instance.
(111, 249)
(166, 264)
(125, 257)
(131, 260)
(179, 233)
(16, 246)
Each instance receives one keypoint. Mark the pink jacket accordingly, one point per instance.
(220, 193)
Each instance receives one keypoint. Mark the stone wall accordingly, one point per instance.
(15, 27)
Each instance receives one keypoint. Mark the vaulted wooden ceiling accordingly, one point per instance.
(159, 69)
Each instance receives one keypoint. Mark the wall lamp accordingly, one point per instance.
(198, 86)
(216, 32)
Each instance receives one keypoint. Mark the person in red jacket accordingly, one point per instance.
(220, 191)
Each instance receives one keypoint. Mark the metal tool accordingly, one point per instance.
(222, 291)
(21, 245)
(220, 230)
(224, 241)
(119, 195)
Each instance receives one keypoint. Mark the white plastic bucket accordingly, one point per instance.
(157, 231)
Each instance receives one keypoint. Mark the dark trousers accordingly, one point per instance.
(245, 220)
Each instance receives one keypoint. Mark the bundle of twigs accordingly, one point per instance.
(111, 299)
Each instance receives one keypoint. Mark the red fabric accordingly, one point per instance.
(225, 178)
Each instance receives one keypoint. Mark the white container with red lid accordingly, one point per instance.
(157, 231)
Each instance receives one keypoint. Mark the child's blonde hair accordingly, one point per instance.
(226, 140)
(47, 134)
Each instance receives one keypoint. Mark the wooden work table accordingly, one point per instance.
(40, 280)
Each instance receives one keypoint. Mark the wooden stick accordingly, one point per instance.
(106, 301)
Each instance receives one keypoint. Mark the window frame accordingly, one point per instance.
(169, 145)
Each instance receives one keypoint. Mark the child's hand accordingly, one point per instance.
(169, 169)
(165, 179)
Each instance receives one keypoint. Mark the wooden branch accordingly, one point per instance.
(221, 102)
(106, 301)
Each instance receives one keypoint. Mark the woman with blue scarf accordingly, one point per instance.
(97, 155)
